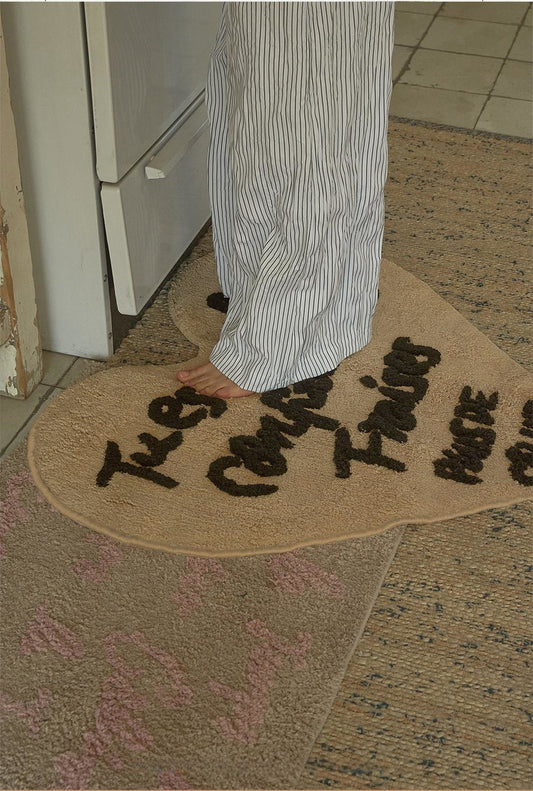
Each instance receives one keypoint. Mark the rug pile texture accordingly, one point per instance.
(129, 667)
(430, 420)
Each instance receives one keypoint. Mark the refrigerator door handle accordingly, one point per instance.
(173, 151)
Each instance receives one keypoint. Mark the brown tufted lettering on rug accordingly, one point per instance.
(399, 432)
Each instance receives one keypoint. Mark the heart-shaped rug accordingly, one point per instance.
(427, 422)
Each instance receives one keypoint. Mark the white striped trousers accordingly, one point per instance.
(297, 97)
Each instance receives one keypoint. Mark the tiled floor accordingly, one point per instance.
(466, 65)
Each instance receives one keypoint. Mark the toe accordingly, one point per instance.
(206, 385)
(183, 375)
(233, 391)
(193, 378)
(201, 382)
(207, 390)
(223, 392)
(202, 372)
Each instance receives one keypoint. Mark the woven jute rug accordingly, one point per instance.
(430, 420)
(126, 667)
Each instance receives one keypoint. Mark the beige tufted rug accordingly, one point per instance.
(429, 421)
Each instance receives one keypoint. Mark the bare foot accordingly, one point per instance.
(208, 380)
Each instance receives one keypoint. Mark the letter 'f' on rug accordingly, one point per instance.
(429, 421)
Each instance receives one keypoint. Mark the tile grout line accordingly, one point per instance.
(468, 93)
(44, 397)
(73, 363)
(471, 54)
(417, 46)
(506, 59)
(41, 401)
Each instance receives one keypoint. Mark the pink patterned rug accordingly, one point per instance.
(126, 667)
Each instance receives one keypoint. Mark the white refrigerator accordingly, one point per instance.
(108, 101)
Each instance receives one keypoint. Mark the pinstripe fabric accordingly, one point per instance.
(297, 97)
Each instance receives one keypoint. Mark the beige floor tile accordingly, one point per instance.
(469, 37)
(507, 117)
(453, 71)
(25, 430)
(529, 18)
(418, 7)
(399, 57)
(14, 412)
(522, 49)
(511, 13)
(410, 28)
(433, 104)
(514, 81)
(55, 365)
(82, 367)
